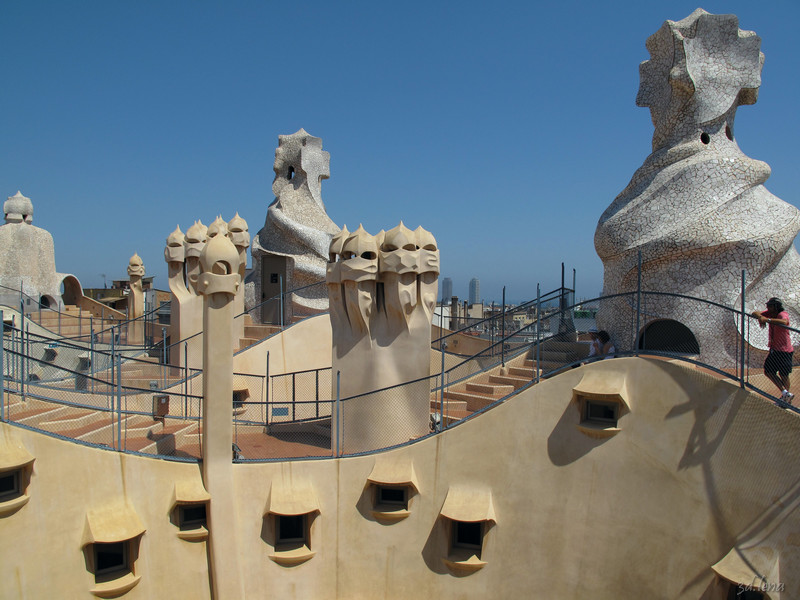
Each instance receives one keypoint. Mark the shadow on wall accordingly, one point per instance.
(731, 430)
(566, 442)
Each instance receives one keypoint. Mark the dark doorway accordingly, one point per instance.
(273, 282)
(667, 335)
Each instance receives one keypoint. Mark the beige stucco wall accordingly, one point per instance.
(41, 554)
(642, 514)
(305, 345)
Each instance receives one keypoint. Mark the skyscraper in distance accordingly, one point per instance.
(447, 289)
(474, 291)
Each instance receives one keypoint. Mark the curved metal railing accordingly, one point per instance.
(299, 415)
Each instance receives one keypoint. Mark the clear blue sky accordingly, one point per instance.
(504, 128)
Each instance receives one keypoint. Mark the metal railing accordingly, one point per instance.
(97, 394)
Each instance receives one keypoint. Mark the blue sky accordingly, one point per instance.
(504, 128)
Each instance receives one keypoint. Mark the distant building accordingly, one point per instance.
(447, 289)
(474, 291)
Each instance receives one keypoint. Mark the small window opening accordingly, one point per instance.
(9, 485)
(290, 174)
(239, 397)
(110, 558)
(290, 529)
(601, 412)
(394, 496)
(467, 535)
(728, 132)
(192, 515)
(705, 138)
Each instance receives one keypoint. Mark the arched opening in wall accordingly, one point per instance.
(71, 290)
(45, 302)
(667, 335)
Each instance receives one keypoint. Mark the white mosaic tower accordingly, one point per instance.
(697, 208)
(291, 250)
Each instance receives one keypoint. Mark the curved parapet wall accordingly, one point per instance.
(697, 209)
(683, 499)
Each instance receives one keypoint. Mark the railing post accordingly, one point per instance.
(23, 339)
(338, 409)
(294, 397)
(442, 348)
(280, 282)
(185, 379)
(562, 306)
(491, 329)
(638, 302)
(266, 416)
(119, 400)
(316, 392)
(744, 317)
(538, 334)
(112, 369)
(573, 292)
(164, 353)
(2, 371)
(503, 330)
(91, 353)
(12, 366)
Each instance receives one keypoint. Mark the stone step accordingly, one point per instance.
(521, 372)
(69, 419)
(450, 418)
(164, 440)
(557, 356)
(497, 390)
(559, 346)
(32, 416)
(99, 431)
(105, 429)
(517, 382)
(260, 332)
(449, 405)
(247, 342)
(473, 400)
(547, 366)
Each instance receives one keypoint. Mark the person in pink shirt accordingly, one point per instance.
(778, 363)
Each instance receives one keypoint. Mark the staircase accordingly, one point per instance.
(485, 388)
(139, 433)
(71, 322)
(136, 373)
(254, 332)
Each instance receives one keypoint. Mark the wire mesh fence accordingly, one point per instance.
(98, 393)
(124, 403)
